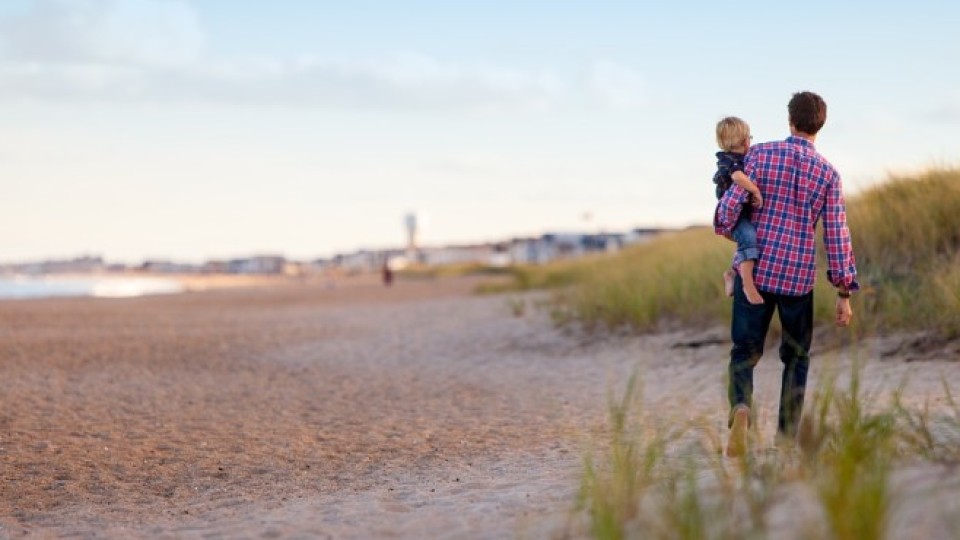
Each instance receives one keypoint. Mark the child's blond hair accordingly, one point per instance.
(731, 133)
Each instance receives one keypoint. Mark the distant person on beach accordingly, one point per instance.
(387, 274)
(800, 188)
(733, 138)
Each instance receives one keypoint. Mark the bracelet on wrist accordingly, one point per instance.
(843, 294)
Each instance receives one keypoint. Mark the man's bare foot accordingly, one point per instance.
(752, 294)
(737, 443)
(728, 278)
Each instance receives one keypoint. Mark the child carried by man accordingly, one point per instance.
(733, 138)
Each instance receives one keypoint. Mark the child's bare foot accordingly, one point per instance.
(752, 294)
(749, 287)
(728, 278)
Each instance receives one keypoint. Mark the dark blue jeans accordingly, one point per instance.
(749, 331)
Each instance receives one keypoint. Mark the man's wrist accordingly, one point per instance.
(843, 293)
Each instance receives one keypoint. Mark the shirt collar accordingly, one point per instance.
(801, 141)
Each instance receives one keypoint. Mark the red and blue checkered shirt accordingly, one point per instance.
(799, 187)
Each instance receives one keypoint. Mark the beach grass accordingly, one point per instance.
(673, 277)
(851, 451)
(526, 277)
(906, 234)
(657, 480)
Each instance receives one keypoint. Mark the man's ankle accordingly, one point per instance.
(737, 441)
(735, 409)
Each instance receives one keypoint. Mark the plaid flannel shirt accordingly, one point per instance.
(799, 187)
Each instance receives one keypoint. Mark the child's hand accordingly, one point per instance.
(756, 200)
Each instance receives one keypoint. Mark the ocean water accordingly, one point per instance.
(12, 287)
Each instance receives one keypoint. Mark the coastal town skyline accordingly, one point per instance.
(503, 252)
(139, 129)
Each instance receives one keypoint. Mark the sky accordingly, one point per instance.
(201, 129)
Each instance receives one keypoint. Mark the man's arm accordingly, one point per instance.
(841, 266)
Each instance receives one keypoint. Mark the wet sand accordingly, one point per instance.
(311, 411)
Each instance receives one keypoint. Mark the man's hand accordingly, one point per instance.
(756, 200)
(844, 312)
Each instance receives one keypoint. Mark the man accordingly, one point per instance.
(799, 188)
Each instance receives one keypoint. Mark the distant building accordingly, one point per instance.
(640, 235)
(215, 267)
(477, 253)
(168, 267)
(263, 264)
(86, 264)
(553, 246)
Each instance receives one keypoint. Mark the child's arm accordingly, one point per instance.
(741, 179)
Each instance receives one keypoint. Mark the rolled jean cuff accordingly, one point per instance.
(750, 253)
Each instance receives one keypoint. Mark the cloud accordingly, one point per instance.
(616, 85)
(384, 84)
(397, 81)
(126, 32)
(137, 51)
(153, 51)
(404, 81)
(415, 81)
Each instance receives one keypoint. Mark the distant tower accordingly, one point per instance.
(410, 223)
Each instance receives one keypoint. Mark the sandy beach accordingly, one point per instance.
(352, 410)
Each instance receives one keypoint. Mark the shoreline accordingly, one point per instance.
(137, 284)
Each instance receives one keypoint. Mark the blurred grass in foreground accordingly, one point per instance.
(654, 479)
(906, 238)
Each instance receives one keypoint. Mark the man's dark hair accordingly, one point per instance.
(808, 112)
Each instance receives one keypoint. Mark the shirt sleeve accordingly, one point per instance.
(728, 209)
(841, 266)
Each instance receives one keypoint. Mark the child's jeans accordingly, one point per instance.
(746, 236)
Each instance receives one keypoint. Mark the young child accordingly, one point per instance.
(733, 137)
